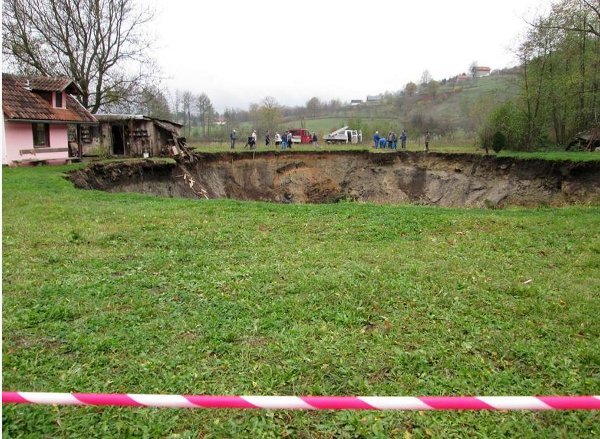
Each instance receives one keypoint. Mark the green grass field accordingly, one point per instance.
(413, 145)
(130, 293)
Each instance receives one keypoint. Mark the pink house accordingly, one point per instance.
(42, 119)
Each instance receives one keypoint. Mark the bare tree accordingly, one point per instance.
(101, 44)
(270, 114)
(313, 106)
(473, 68)
(205, 111)
(186, 98)
(175, 104)
(567, 15)
(254, 114)
(231, 116)
(154, 103)
(334, 105)
(425, 78)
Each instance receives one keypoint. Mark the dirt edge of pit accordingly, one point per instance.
(443, 179)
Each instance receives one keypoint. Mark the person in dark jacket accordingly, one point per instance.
(233, 137)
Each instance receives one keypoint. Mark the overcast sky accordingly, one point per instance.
(239, 52)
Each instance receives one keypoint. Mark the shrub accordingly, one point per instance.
(498, 141)
(507, 121)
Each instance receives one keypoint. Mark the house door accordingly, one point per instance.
(118, 140)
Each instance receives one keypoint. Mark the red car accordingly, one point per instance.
(301, 135)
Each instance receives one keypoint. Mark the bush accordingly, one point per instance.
(498, 141)
(506, 121)
(102, 151)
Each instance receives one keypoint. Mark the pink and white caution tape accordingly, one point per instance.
(311, 402)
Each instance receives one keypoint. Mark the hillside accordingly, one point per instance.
(456, 108)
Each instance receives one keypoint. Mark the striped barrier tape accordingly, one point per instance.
(310, 402)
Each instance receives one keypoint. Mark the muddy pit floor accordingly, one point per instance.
(453, 180)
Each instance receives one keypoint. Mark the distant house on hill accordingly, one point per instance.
(463, 77)
(355, 102)
(135, 135)
(480, 71)
(374, 99)
(42, 121)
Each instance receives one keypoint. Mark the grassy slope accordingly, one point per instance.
(499, 86)
(130, 293)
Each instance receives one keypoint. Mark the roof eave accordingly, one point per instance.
(51, 121)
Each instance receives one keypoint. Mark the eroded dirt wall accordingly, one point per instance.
(322, 177)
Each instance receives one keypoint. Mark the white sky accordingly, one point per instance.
(238, 51)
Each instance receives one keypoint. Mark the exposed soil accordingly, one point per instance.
(455, 180)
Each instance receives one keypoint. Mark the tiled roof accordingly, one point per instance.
(18, 103)
(51, 83)
(162, 123)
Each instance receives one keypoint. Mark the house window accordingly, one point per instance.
(59, 100)
(41, 135)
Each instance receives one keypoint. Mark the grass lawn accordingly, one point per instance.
(413, 145)
(129, 293)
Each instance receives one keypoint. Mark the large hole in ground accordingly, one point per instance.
(457, 180)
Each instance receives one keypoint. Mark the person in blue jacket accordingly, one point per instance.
(376, 139)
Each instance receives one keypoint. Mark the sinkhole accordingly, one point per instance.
(442, 179)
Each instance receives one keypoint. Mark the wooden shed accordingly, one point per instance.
(132, 135)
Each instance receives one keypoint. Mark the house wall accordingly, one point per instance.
(19, 143)
(156, 143)
(140, 144)
(136, 145)
(106, 137)
(90, 141)
(4, 157)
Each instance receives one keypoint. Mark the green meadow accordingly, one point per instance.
(458, 146)
(131, 293)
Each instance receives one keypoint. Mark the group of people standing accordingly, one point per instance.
(284, 141)
(391, 141)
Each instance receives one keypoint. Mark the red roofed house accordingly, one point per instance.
(463, 78)
(481, 71)
(37, 114)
